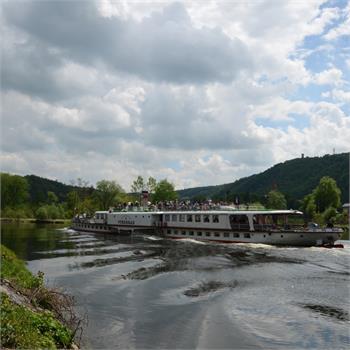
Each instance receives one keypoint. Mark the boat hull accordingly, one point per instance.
(301, 239)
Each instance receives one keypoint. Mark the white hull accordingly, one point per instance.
(303, 239)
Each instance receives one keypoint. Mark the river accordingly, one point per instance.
(144, 292)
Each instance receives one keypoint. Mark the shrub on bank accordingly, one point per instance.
(17, 213)
(26, 329)
(14, 270)
(50, 211)
(38, 320)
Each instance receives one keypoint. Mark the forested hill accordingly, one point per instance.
(294, 178)
(39, 186)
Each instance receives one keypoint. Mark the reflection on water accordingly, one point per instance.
(208, 287)
(147, 292)
(330, 311)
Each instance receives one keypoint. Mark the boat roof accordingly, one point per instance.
(214, 212)
(236, 212)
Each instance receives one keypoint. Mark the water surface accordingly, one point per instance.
(144, 292)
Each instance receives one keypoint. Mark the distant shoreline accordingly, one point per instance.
(36, 221)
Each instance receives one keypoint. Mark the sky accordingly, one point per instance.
(200, 93)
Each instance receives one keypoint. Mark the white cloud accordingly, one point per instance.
(343, 29)
(174, 90)
(341, 96)
(332, 76)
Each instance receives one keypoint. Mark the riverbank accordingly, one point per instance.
(32, 315)
(36, 221)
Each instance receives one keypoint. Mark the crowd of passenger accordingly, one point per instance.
(179, 205)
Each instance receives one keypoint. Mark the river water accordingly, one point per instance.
(143, 292)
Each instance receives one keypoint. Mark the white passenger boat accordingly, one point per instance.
(275, 227)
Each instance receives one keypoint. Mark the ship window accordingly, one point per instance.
(264, 235)
(199, 233)
(206, 218)
(215, 218)
(217, 234)
(281, 236)
(236, 235)
(175, 232)
(97, 216)
(174, 217)
(183, 233)
(169, 231)
(191, 233)
(301, 236)
(207, 234)
(167, 217)
(197, 218)
(189, 218)
(247, 235)
(226, 234)
(182, 217)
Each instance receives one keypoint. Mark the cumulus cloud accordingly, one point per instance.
(164, 46)
(343, 28)
(332, 76)
(200, 93)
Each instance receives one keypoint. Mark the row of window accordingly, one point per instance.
(209, 234)
(214, 234)
(191, 218)
(98, 227)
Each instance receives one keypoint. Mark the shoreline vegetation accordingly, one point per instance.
(36, 221)
(32, 315)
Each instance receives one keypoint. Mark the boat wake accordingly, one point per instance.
(190, 240)
(66, 229)
(154, 238)
(257, 245)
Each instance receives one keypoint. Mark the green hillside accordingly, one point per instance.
(294, 178)
(39, 186)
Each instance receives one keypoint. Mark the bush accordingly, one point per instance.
(26, 329)
(329, 215)
(52, 212)
(42, 213)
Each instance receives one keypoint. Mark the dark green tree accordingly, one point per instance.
(308, 206)
(52, 198)
(107, 194)
(326, 194)
(73, 201)
(14, 190)
(164, 191)
(276, 200)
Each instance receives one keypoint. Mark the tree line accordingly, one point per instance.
(322, 205)
(17, 197)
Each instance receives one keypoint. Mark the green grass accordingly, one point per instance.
(25, 329)
(14, 270)
(21, 326)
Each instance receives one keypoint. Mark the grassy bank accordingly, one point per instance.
(33, 316)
